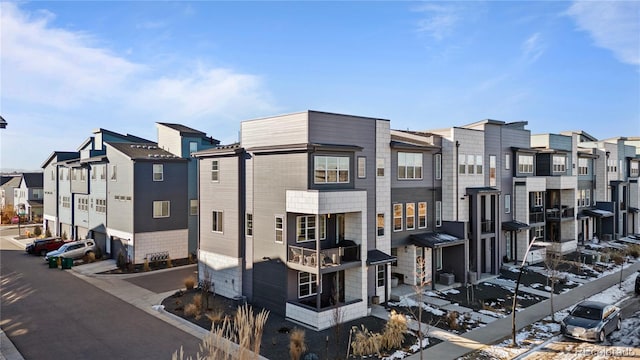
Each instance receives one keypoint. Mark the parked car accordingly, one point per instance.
(43, 246)
(591, 321)
(73, 250)
(638, 283)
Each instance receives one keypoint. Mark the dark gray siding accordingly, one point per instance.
(413, 195)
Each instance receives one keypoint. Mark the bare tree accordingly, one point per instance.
(419, 288)
(552, 264)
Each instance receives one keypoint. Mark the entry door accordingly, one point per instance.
(339, 228)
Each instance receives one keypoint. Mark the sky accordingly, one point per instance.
(67, 68)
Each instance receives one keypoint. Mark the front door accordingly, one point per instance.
(339, 228)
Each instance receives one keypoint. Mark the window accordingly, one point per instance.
(583, 166)
(362, 167)
(438, 166)
(215, 175)
(61, 173)
(158, 172)
(507, 161)
(323, 227)
(379, 167)
(559, 163)
(538, 231)
(74, 174)
(422, 215)
(380, 225)
(438, 213)
(193, 147)
(306, 228)
(103, 171)
(306, 284)
(462, 164)
(507, 203)
(411, 216)
(438, 256)
(66, 201)
(479, 163)
(217, 221)
(161, 209)
(193, 207)
(611, 165)
(525, 164)
(83, 204)
(94, 172)
(397, 217)
(101, 205)
(279, 229)
(538, 198)
(492, 170)
(83, 174)
(409, 165)
(331, 169)
(249, 220)
(634, 168)
(114, 173)
(471, 164)
(380, 275)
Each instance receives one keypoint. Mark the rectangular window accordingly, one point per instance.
(587, 197)
(93, 172)
(307, 284)
(331, 169)
(583, 166)
(471, 164)
(74, 174)
(83, 204)
(83, 174)
(101, 205)
(61, 173)
(380, 275)
(422, 215)
(397, 217)
(479, 164)
(634, 168)
(161, 209)
(525, 164)
(66, 201)
(158, 172)
(103, 172)
(380, 224)
(438, 213)
(411, 216)
(559, 163)
(305, 228)
(379, 167)
(215, 175)
(249, 220)
(279, 229)
(438, 166)
(217, 221)
(362, 167)
(193, 147)
(438, 256)
(538, 199)
(323, 227)
(507, 204)
(507, 161)
(538, 232)
(462, 164)
(409, 165)
(193, 207)
(492, 170)
(114, 173)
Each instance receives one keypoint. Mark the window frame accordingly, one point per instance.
(438, 213)
(422, 205)
(328, 170)
(397, 206)
(215, 171)
(311, 284)
(507, 203)
(583, 166)
(114, 173)
(362, 167)
(156, 172)
(380, 229)
(309, 231)
(217, 221)
(191, 207)
(437, 160)
(524, 167)
(161, 203)
(462, 164)
(507, 161)
(410, 162)
(249, 224)
(191, 147)
(479, 164)
(279, 231)
(380, 167)
(559, 163)
(410, 216)
(438, 258)
(380, 275)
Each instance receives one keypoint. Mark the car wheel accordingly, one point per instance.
(601, 336)
(618, 324)
(43, 252)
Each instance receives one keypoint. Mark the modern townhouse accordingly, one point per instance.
(289, 216)
(28, 196)
(53, 178)
(7, 192)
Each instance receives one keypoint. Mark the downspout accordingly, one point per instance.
(457, 178)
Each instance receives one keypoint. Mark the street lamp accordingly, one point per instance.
(515, 295)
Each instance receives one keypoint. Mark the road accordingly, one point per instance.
(49, 313)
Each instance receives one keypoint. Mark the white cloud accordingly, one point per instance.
(439, 20)
(613, 25)
(532, 48)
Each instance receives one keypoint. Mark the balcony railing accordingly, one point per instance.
(560, 213)
(488, 226)
(328, 257)
(537, 217)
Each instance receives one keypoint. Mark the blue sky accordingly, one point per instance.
(70, 67)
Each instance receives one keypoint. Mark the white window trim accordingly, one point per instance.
(377, 225)
(363, 174)
(401, 217)
(408, 217)
(419, 157)
(380, 275)
(308, 284)
(324, 159)
(216, 171)
(160, 202)
(275, 222)
(309, 231)
(161, 172)
(426, 212)
(438, 166)
(220, 221)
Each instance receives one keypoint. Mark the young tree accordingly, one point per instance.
(419, 288)
(552, 263)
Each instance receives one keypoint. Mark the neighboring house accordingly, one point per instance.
(7, 191)
(53, 177)
(28, 196)
(288, 217)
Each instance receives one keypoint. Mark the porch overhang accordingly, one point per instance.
(514, 226)
(599, 213)
(435, 240)
(377, 257)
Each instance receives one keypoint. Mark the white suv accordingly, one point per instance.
(73, 250)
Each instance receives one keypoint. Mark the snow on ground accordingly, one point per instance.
(629, 334)
(408, 302)
(451, 291)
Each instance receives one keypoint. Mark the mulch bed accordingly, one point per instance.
(458, 324)
(488, 296)
(275, 338)
(536, 280)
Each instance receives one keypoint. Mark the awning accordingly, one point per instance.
(514, 226)
(377, 257)
(633, 209)
(598, 213)
(35, 203)
(435, 240)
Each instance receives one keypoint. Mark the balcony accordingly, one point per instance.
(563, 212)
(487, 226)
(306, 259)
(536, 217)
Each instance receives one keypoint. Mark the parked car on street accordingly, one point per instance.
(591, 321)
(43, 246)
(73, 250)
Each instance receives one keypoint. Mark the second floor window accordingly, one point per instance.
(83, 204)
(306, 228)
(216, 224)
(438, 213)
(507, 203)
(215, 171)
(193, 207)
(101, 205)
(583, 166)
(422, 215)
(279, 229)
(114, 173)
(411, 216)
(331, 169)
(559, 163)
(538, 199)
(525, 164)
(397, 217)
(379, 167)
(158, 172)
(380, 224)
(249, 224)
(634, 168)
(409, 165)
(161, 209)
(362, 167)
(438, 166)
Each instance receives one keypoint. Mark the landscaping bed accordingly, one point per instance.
(487, 297)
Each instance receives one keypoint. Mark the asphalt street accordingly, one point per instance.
(52, 314)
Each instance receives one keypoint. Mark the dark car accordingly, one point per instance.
(43, 246)
(638, 283)
(591, 321)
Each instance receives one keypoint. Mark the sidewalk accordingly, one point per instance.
(501, 328)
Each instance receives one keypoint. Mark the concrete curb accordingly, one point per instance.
(7, 350)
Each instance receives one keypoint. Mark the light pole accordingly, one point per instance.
(515, 295)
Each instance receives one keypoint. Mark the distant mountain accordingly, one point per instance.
(9, 172)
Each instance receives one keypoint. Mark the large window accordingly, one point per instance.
(559, 163)
(422, 215)
(193, 207)
(306, 228)
(331, 169)
(307, 284)
(411, 216)
(583, 166)
(279, 224)
(158, 172)
(161, 209)
(380, 224)
(217, 221)
(379, 167)
(101, 205)
(612, 166)
(584, 197)
(215, 171)
(397, 217)
(380, 275)
(249, 220)
(538, 198)
(193, 147)
(83, 204)
(634, 168)
(438, 213)
(525, 164)
(438, 166)
(362, 167)
(409, 165)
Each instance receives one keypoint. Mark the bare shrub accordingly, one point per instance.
(191, 310)
(169, 263)
(145, 266)
(634, 250)
(197, 301)
(365, 342)
(452, 320)
(215, 316)
(190, 282)
(90, 257)
(394, 330)
(297, 345)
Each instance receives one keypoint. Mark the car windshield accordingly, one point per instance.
(63, 248)
(587, 312)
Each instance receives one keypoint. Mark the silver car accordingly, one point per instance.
(591, 321)
(73, 250)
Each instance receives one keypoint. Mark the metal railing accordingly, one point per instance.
(327, 257)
